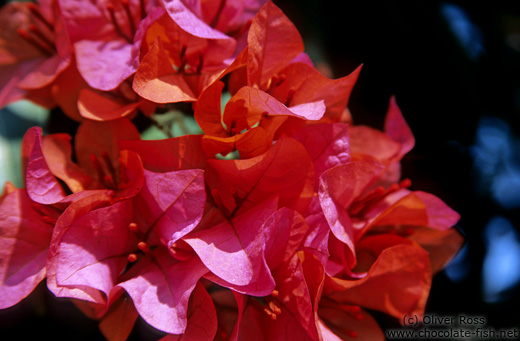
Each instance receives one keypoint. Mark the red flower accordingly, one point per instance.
(34, 50)
(99, 251)
(188, 46)
(100, 164)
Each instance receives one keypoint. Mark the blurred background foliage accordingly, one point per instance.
(454, 67)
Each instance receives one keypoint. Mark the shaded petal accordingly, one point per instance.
(234, 250)
(161, 289)
(183, 152)
(202, 318)
(285, 169)
(398, 282)
(157, 81)
(24, 243)
(101, 106)
(42, 186)
(172, 203)
(327, 145)
(95, 61)
(94, 249)
(273, 42)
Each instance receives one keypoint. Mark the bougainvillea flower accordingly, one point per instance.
(34, 50)
(125, 246)
(386, 147)
(264, 85)
(353, 209)
(213, 19)
(26, 229)
(274, 65)
(103, 32)
(176, 64)
(284, 170)
(100, 164)
(289, 304)
(289, 312)
(25, 235)
(188, 46)
(251, 118)
(397, 281)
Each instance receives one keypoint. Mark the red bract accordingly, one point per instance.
(101, 33)
(34, 50)
(185, 49)
(100, 164)
(284, 170)
(25, 237)
(274, 66)
(386, 147)
(26, 229)
(272, 94)
(250, 110)
(125, 246)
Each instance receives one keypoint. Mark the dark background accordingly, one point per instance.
(447, 89)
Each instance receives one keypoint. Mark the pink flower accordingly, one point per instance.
(99, 252)
(34, 50)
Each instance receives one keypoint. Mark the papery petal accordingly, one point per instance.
(94, 249)
(24, 243)
(189, 22)
(65, 91)
(327, 145)
(365, 140)
(95, 61)
(251, 143)
(397, 129)
(397, 283)
(184, 152)
(9, 79)
(45, 73)
(316, 240)
(285, 169)
(202, 318)
(42, 186)
(57, 150)
(207, 111)
(161, 289)
(284, 232)
(299, 284)
(415, 208)
(441, 246)
(102, 137)
(99, 106)
(273, 42)
(118, 322)
(172, 203)
(234, 250)
(339, 186)
(86, 202)
(85, 20)
(308, 85)
(248, 105)
(157, 81)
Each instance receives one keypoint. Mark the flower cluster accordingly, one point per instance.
(283, 220)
